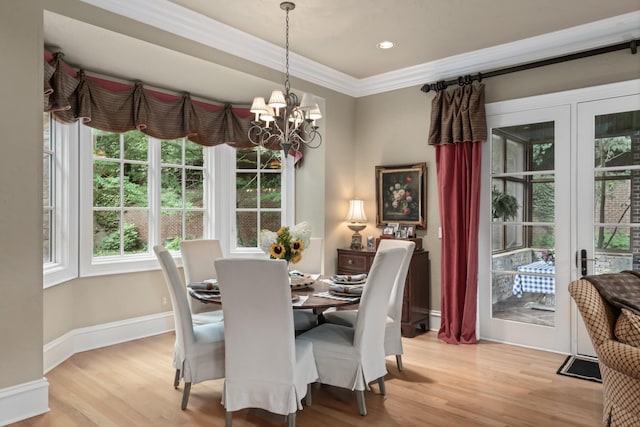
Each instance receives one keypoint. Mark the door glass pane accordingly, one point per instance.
(616, 192)
(523, 212)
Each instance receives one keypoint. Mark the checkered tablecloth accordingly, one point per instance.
(532, 283)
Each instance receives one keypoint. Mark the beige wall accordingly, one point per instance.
(21, 193)
(388, 128)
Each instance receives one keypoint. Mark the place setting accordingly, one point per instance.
(345, 287)
(205, 290)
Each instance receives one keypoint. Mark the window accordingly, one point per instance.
(138, 191)
(59, 201)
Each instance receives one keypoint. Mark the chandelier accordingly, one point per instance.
(286, 120)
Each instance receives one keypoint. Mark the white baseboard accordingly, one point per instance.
(23, 401)
(83, 339)
(434, 320)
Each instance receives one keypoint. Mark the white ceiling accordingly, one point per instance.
(332, 42)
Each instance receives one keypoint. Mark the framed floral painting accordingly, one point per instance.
(401, 195)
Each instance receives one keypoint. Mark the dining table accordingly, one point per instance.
(312, 294)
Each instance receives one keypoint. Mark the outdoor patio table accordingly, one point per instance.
(541, 281)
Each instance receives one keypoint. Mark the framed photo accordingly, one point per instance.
(395, 226)
(388, 231)
(408, 230)
(401, 195)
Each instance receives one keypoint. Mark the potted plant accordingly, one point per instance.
(503, 205)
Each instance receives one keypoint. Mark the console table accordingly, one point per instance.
(415, 309)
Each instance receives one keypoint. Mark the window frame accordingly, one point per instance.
(64, 174)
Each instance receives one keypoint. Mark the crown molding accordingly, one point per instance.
(191, 25)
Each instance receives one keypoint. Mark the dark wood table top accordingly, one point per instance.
(317, 304)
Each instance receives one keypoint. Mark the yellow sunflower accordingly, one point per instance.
(277, 251)
(296, 257)
(297, 246)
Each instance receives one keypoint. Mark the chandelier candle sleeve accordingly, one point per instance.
(286, 121)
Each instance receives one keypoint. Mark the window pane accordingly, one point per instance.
(543, 209)
(106, 144)
(46, 127)
(270, 194)
(612, 194)
(194, 225)
(194, 154)
(135, 187)
(270, 159)
(171, 187)
(515, 156)
(47, 253)
(46, 180)
(135, 236)
(194, 191)
(497, 154)
(171, 152)
(106, 235)
(247, 225)
(271, 220)
(135, 146)
(246, 190)
(171, 228)
(543, 157)
(246, 159)
(106, 184)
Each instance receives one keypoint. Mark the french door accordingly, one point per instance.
(558, 202)
(525, 252)
(608, 188)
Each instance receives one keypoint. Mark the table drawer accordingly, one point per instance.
(353, 263)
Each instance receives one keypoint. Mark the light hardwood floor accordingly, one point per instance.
(487, 384)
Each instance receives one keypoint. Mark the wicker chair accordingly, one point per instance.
(619, 362)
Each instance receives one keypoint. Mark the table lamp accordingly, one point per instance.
(356, 219)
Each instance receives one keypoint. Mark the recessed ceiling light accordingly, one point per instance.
(385, 44)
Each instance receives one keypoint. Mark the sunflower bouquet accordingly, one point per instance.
(287, 243)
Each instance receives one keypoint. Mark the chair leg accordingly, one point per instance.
(307, 398)
(399, 361)
(185, 395)
(176, 380)
(383, 389)
(361, 405)
(227, 419)
(292, 419)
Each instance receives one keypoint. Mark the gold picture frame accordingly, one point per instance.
(401, 195)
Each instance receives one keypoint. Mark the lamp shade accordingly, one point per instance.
(356, 211)
(277, 99)
(258, 105)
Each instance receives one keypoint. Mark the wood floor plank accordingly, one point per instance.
(488, 384)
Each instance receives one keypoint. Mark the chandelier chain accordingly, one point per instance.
(287, 86)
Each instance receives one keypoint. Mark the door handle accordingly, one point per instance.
(583, 261)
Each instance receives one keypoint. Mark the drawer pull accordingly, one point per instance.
(350, 261)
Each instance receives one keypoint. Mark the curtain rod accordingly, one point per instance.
(468, 79)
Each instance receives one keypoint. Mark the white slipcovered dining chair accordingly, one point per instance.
(199, 350)
(393, 332)
(311, 263)
(266, 367)
(197, 261)
(353, 357)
